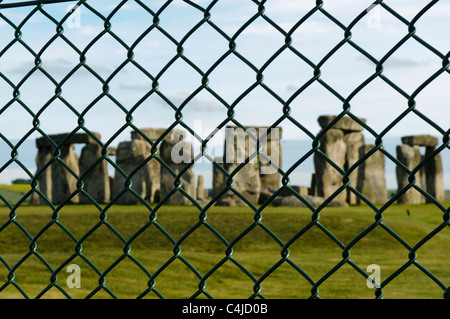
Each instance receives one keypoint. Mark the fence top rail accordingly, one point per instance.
(30, 3)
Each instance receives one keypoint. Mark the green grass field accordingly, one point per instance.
(314, 252)
(13, 193)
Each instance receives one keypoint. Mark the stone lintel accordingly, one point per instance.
(345, 124)
(77, 138)
(420, 140)
(154, 133)
(260, 130)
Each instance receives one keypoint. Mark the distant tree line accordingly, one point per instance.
(21, 181)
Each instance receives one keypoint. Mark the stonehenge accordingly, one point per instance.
(152, 180)
(156, 165)
(371, 181)
(58, 178)
(259, 176)
(429, 177)
(343, 143)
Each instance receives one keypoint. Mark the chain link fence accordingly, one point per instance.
(94, 72)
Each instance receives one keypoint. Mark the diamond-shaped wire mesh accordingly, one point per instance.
(92, 73)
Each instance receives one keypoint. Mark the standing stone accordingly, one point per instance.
(434, 176)
(271, 147)
(111, 187)
(354, 141)
(328, 179)
(45, 178)
(200, 187)
(63, 182)
(218, 182)
(238, 147)
(96, 180)
(371, 178)
(313, 188)
(430, 177)
(177, 153)
(168, 184)
(153, 166)
(130, 155)
(410, 157)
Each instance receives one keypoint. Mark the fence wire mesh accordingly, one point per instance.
(60, 52)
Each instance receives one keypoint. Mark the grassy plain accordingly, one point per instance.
(96, 245)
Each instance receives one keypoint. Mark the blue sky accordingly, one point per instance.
(377, 33)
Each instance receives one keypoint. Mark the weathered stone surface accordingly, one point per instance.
(238, 147)
(96, 178)
(45, 177)
(269, 176)
(420, 140)
(313, 188)
(246, 181)
(410, 157)
(153, 170)
(131, 154)
(168, 184)
(200, 187)
(327, 178)
(63, 182)
(315, 201)
(177, 152)
(259, 174)
(218, 182)
(111, 187)
(434, 176)
(81, 138)
(346, 123)
(154, 133)
(371, 177)
(354, 141)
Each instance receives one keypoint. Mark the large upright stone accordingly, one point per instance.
(177, 153)
(95, 175)
(410, 157)
(218, 182)
(328, 179)
(64, 183)
(200, 187)
(154, 167)
(271, 147)
(434, 176)
(45, 177)
(354, 141)
(129, 156)
(371, 177)
(430, 177)
(239, 147)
